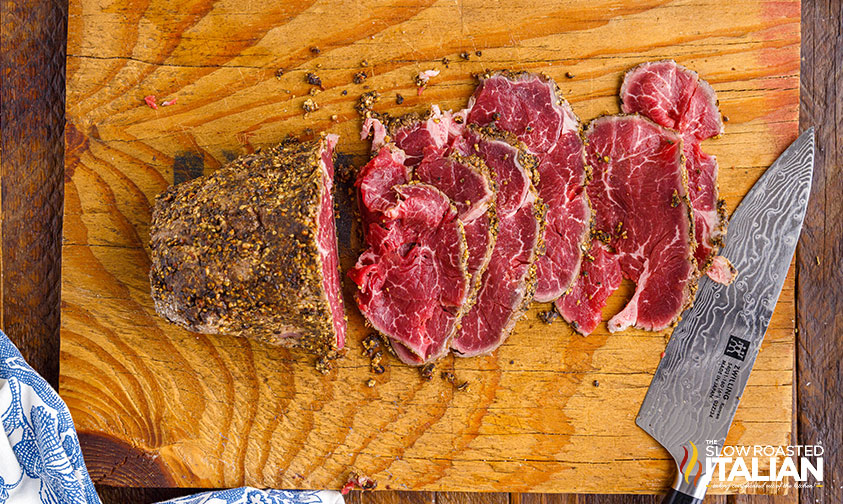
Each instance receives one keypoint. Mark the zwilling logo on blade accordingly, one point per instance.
(736, 348)
(687, 466)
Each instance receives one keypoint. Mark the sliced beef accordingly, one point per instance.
(677, 98)
(437, 153)
(490, 177)
(599, 277)
(375, 182)
(643, 218)
(413, 133)
(463, 177)
(531, 107)
(251, 250)
(412, 279)
(508, 284)
(466, 180)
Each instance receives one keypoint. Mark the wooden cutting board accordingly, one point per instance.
(550, 411)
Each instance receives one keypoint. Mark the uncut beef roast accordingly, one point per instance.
(251, 250)
(531, 107)
(677, 98)
(643, 227)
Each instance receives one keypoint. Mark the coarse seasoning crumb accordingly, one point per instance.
(451, 378)
(360, 77)
(371, 345)
(675, 199)
(323, 365)
(548, 316)
(427, 371)
(366, 101)
(309, 105)
(372, 348)
(313, 79)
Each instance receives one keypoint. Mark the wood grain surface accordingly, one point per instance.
(34, 25)
(31, 156)
(160, 405)
(820, 253)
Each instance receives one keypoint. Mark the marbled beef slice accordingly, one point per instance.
(531, 107)
(412, 278)
(675, 97)
(509, 282)
(643, 224)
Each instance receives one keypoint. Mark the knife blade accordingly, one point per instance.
(699, 381)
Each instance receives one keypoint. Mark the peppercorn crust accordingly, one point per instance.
(235, 252)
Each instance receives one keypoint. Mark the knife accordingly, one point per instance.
(695, 391)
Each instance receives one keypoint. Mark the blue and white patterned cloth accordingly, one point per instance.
(41, 461)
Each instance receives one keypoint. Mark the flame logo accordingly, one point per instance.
(688, 465)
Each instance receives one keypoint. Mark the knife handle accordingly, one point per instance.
(674, 496)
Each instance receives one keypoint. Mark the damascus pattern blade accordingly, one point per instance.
(695, 391)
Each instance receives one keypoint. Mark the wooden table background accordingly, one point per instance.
(32, 57)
